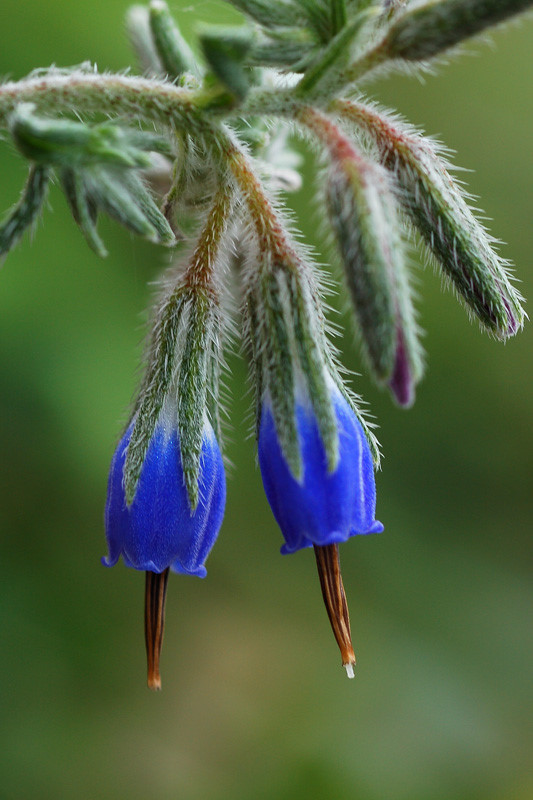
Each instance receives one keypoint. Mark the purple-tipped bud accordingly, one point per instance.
(158, 529)
(364, 217)
(462, 247)
(323, 507)
(402, 381)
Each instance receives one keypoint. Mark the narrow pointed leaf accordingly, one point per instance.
(82, 209)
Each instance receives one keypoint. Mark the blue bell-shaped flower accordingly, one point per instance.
(159, 530)
(322, 508)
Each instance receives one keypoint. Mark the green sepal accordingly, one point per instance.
(125, 198)
(65, 142)
(338, 15)
(294, 48)
(289, 353)
(311, 348)
(318, 17)
(278, 378)
(145, 202)
(199, 360)
(161, 360)
(141, 39)
(82, 208)
(330, 60)
(225, 50)
(27, 210)
(182, 369)
(355, 402)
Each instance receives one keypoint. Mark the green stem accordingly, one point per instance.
(269, 227)
(140, 98)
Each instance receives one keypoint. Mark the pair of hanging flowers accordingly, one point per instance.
(167, 488)
(222, 159)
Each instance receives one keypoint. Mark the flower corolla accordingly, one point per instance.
(159, 529)
(323, 507)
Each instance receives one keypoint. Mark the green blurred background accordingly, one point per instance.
(254, 702)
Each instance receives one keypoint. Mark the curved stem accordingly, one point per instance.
(200, 271)
(268, 225)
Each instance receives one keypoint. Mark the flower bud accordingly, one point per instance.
(364, 217)
(72, 143)
(173, 51)
(461, 246)
(225, 50)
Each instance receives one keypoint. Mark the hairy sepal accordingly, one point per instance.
(271, 13)
(288, 349)
(183, 363)
(225, 50)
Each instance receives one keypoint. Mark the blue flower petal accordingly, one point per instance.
(158, 530)
(323, 508)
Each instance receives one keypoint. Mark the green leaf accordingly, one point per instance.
(225, 50)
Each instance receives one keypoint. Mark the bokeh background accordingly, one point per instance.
(254, 701)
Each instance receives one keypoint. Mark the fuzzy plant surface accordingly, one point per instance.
(195, 155)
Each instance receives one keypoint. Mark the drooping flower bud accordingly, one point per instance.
(363, 215)
(99, 169)
(175, 54)
(461, 246)
(428, 27)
